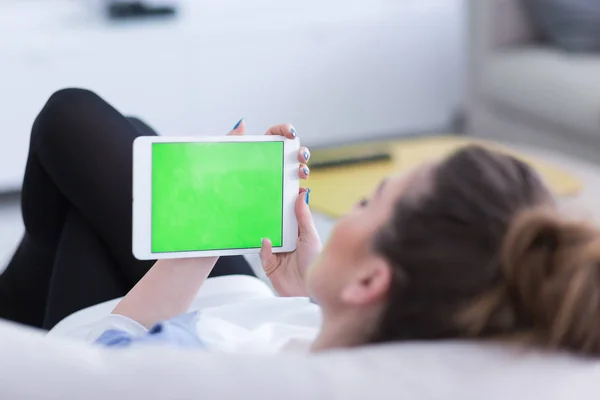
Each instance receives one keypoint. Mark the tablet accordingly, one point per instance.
(213, 196)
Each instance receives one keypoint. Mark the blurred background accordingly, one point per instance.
(338, 69)
(522, 73)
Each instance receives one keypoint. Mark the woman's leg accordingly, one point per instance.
(83, 273)
(80, 159)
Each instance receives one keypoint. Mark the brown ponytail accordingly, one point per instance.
(549, 290)
(552, 272)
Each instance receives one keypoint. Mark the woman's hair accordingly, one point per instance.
(483, 253)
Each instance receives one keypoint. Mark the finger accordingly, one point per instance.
(286, 130)
(303, 154)
(266, 251)
(306, 225)
(303, 171)
(302, 190)
(238, 129)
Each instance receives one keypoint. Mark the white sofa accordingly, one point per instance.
(523, 89)
(33, 366)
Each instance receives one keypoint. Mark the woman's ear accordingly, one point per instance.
(370, 285)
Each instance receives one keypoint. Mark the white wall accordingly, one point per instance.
(338, 69)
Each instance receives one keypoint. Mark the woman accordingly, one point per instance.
(468, 248)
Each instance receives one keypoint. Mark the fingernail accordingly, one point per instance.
(293, 131)
(307, 196)
(305, 170)
(238, 124)
(306, 155)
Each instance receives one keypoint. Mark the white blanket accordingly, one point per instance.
(37, 367)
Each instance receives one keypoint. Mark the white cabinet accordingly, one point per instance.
(339, 70)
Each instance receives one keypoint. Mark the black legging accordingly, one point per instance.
(76, 205)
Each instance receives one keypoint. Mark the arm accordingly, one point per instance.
(167, 290)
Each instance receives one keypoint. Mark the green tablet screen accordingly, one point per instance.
(216, 196)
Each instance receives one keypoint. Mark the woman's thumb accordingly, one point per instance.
(266, 251)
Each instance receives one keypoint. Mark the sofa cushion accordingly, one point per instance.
(573, 25)
(548, 84)
(34, 367)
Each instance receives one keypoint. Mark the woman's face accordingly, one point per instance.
(348, 256)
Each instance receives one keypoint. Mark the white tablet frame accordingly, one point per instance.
(142, 194)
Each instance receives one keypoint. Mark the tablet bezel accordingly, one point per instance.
(142, 194)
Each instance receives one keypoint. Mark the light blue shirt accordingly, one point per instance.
(179, 331)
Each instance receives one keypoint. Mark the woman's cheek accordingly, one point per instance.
(346, 237)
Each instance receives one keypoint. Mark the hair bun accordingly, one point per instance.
(552, 271)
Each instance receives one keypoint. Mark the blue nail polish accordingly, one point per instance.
(305, 170)
(293, 131)
(238, 124)
(306, 155)
(307, 196)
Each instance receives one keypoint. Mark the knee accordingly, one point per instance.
(61, 107)
(67, 99)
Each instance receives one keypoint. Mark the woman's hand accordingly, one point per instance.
(287, 271)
